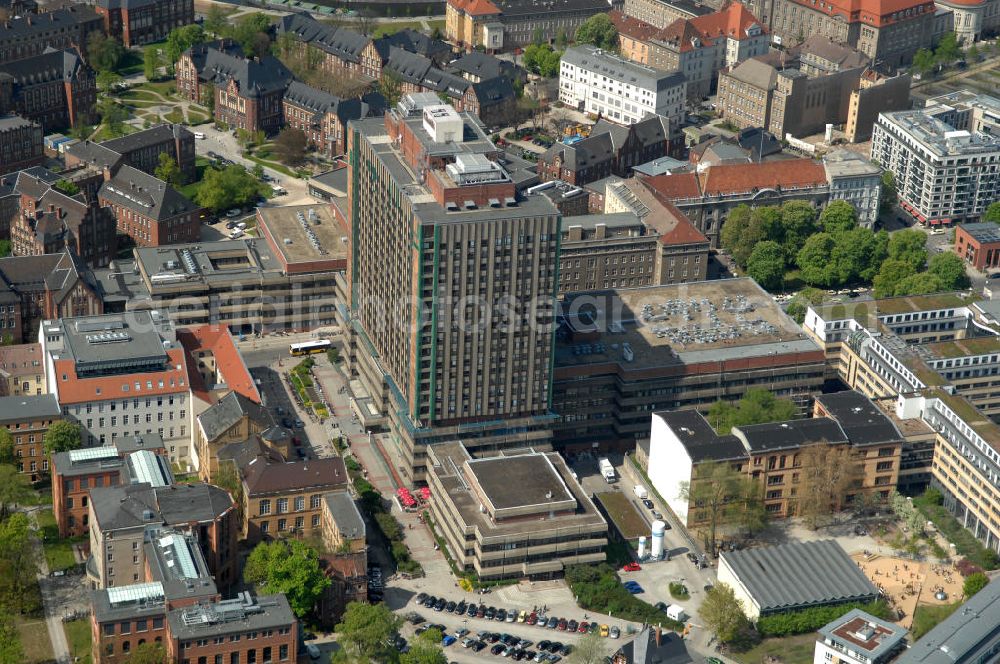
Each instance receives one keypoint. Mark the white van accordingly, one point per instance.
(199, 135)
(237, 232)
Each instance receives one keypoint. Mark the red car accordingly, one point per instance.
(532, 619)
(631, 567)
(561, 625)
(584, 626)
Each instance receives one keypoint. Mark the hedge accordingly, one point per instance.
(965, 542)
(811, 619)
(598, 588)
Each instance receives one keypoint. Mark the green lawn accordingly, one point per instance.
(35, 641)
(272, 164)
(131, 63)
(58, 551)
(384, 29)
(927, 616)
(79, 638)
(796, 649)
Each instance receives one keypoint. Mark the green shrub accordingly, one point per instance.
(598, 588)
(679, 591)
(930, 505)
(811, 619)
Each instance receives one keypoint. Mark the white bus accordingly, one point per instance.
(309, 347)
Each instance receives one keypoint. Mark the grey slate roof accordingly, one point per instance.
(482, 65)
(607, 64)
(8, 122)
(147, 195)
(185, 503)
(756, 74)
(245, 451)
(643, 649)
(161, 133)
(494, 91)
(793, 433)
(862, 421)
(970, 634)
(95, 154)
(61, 19)
(340, 42)
(139, 505)
(419, 70)
(414, 42)
(799, 574)
(345, 513)
(253, 77)
(52, 65)
(605, 139)
(28, 406)
(57, 273)
(227, 411)
(699, 438)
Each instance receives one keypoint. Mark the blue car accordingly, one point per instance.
(635, 589)
(448, 640)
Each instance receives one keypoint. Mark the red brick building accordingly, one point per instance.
(149, 210)
(322, 117)
(137, 22)
(140, 150)
(27, 418)
(54, 222)
(55, 89)
(979, 244)
(20, 144)
(75, 473)
(28, 34)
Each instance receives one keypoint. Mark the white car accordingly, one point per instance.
(242, 226)
(235, 212)
(313, 651)
(237, 233)
(199, 135)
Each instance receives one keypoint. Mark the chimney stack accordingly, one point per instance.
(59, 214)
(657, 632)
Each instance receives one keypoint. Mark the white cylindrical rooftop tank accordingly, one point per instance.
(656, 548)
(642, 548)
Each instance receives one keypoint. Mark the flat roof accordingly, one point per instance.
(865, 633)
(705, 321)
(791, 434)
(98, 342)
(623, 514)
(28, 406)
(224, 261)
(799, 574)
(304, 233)
(911, 303)
(524, 480)
(859, 417)
(963, 347)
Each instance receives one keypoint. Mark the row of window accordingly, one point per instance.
(281, 504)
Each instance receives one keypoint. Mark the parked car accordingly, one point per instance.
(571, 626)
(584, 627)
(478, 645)
(313, 651)
(501, 615)
(631, 567)
(553, 621)
(561, 625)
(648, 503)
(615, 632)
(497, 649)
(522, 616)
(235, 212)
(448, 640)
(604, 630)
(450, 607)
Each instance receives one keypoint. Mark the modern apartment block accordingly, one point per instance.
(121, 375)
(20, 143)
(518, 514)
(856, 180)
(138, 22)
(602, 83)
(247, 285)
(943, 156)
(889, 32)
(26, 418)
(437, 223)
(630, 351)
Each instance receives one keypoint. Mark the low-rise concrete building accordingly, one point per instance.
(512, 516)
(859, 638)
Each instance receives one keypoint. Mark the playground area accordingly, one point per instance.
(907, 583)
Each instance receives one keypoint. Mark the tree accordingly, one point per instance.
(62, 436)
(366, 631)
(713, 497)
(889, 195)
(992, 213)
(814, 261)
(588, 650)
(215, 20)
(67, 187)
(974, 583)
(17, 565)
(909, 246)
(222, 189)
(767, 265)
(290, 146)
(148, 653)
(537, 37)
(107, 81)
(181, 39)
(104, 53)
(425, 649)
(150, 62)
(246, 30)
(168, 170)
(6, 447)
(919, 284)
(745, 228)
(973, 53)
(838, 216)
(289, 567)
(542, 60)
(892, 272)
(923, 61)
(798, 221)
(14, 489)
(950, 269)
(858, 254)
(390, 86)
(756, 406)
(562, 40)
(828, 476)
(723, 613)
(11, 651)
(113, 114)
(948, 49)
(599, 31)
(365, 21)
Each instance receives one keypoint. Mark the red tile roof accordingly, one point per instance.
(733, 178)
(672, 186)
(228, 361)
(872, 12)
(731, 22)
(75, 390)
(633, 27)
(475, 7)
(683, 232)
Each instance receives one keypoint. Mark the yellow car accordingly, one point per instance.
(604, 631)
(522, 616)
